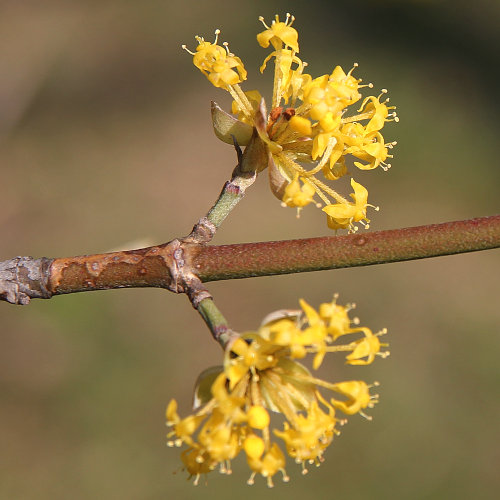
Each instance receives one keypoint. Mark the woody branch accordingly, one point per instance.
(167, 265)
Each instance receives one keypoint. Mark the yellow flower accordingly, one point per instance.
(222, 68)
(297, 196)
(267, 464)
(311, 435)
(336, 318)
(261, 375)
(358, 397)
(279, 33)
(367, 347)
(309, 128)
(342, 215)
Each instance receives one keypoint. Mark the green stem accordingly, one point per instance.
(254, 159)
(232, 192)
(230, 196)
(215, 321)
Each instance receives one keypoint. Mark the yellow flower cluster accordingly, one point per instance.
(309, 124)
(261, 374)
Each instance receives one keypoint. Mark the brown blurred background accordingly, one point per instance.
(106, 142)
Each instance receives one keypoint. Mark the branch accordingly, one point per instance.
(166, 266)
(246, 260)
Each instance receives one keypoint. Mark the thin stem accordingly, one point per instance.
(231, 194)
(215, 321)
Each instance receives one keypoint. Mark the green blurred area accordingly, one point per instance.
(106, 142)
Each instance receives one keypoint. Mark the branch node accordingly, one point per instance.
(178, 283)
(203, 232)
(197, 292)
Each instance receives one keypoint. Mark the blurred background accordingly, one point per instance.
(106, 143)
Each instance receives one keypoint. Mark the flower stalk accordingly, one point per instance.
(232, 193)
(215, 321)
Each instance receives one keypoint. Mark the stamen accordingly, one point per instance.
(392, 117)
(217, 33)
(384, 354)
(261, 19)
(184, 47)
(382, 92)
(354, 66)
(289, 19)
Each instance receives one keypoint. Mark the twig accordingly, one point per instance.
(214, 263)
(166, 266)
